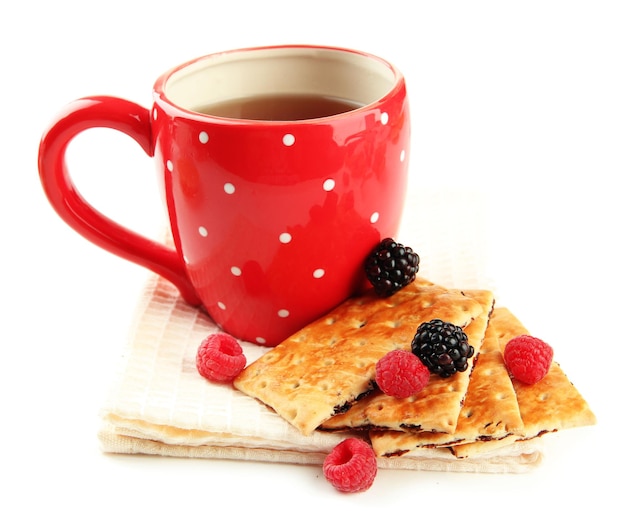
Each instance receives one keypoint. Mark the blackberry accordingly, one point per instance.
(442, 347)
(391, 266)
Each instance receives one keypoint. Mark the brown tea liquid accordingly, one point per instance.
(280, 107)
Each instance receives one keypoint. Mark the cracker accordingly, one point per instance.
(490, 410)
(327, 366)
(549, 405)
(437, 406)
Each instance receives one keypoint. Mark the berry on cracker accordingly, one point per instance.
(443, 347)
(401, 374)
(391, 266)
(528, 358)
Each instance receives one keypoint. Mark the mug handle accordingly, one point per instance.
(134, 121)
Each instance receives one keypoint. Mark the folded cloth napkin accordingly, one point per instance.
(160, 405)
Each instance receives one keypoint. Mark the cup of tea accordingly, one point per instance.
(280, 168)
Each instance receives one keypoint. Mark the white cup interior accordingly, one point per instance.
(344, 74)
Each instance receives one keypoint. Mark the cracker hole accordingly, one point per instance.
(329, 362)
(330, 321)
(394, 324)
(324, 387)
(292, 414)
(468, 413)
(544, 397)
(263, 384)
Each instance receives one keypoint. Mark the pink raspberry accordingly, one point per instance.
(527, 358)
(351, 466)
(401, 374)
(220, 358)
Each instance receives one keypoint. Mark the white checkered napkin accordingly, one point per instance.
(160, 405)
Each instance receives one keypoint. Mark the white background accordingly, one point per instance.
(520, 106)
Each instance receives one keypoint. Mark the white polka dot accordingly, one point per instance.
(235, 270)
(285, 237)
(402, 155)
(289, 140)
(260, 340)
(221, 305)
(384, 118)
(329, 185)
(203, 231)
(319, 273)
(169, 165)
(283, 313)
(203, 137)
(229, 188)
(374, 217)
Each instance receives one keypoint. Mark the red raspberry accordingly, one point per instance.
(401, 374)
(527, 358)
(351, 466)
(220, 358)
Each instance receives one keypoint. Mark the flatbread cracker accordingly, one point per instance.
(327, 366)
(437, 406)
(549, 405)
(490, 410)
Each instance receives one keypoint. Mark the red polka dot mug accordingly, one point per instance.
(275, 194)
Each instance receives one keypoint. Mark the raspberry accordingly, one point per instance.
(443, 347)
(220, 358)
(527, 358)
(390, 266)
(351, 466)
(401, 374)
